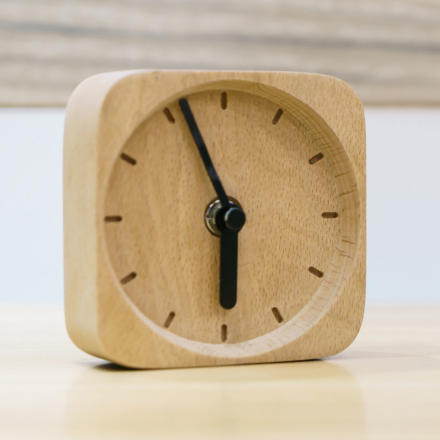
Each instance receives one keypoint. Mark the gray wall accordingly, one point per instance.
(389, 51)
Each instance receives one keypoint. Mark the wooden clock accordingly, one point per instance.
(214, 218)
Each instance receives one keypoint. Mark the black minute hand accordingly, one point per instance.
(197, 136)
(230, 218)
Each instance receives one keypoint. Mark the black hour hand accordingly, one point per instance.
(228, 269)
(229, 221)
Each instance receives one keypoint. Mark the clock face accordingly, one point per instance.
(164, 256)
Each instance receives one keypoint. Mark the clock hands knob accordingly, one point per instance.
(230, 218)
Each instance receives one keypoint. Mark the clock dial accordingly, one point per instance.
(157, 239)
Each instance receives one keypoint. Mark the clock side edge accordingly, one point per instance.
(341, 108)
(80, 165)
(348, 311)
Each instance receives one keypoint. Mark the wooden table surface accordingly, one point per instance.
(385, 386)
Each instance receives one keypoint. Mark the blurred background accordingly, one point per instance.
(389, 51)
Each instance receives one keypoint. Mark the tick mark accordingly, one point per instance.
(330, 215)
(128, 159)
(316, 272)
(277, 315)
(316, 158)
(277, 116)
(224, 333)
(113, 218)
(224, 100)
(169, 115)
(128, 278)
(169, 319)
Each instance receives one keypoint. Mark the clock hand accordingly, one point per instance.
(229, 219)
(197, 136)
(234, 218)
(228, 269)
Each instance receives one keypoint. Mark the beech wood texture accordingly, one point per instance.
(389, 51)
(162, 200)
(141, 267)
(385, 386)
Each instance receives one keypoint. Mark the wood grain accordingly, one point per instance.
(164, 239)
(389, 51)
(385, 386)
(135, 275)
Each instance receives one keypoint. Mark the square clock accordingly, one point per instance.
(214, 217)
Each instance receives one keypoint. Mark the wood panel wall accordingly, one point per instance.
(389, 51)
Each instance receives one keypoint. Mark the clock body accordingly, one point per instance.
(141, 266)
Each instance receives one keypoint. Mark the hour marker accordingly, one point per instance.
(316, 158)
(316, 272)
(330, 214)
(169, 115)
(113, 218)
(277, 315)
(169, 319)
(277, 116)
(128, 278)
(128, 159)
(224, 100)
(224, 333)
